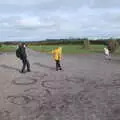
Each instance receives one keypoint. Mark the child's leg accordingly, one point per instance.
(106, 56)
(109, 57)
(57, 65)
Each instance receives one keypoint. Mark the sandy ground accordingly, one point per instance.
(87, 89)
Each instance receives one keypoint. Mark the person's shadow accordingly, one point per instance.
(45, 66)
(9, 67)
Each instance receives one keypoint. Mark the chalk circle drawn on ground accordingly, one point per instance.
(53, 84)
(115, 83)
(4, 114)
(31, 90)
(39, 76)
(19, 100)
(75, 79)
(34, 93)
(24, 81)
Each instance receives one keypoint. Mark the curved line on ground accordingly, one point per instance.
(29, 82)
(51, 81)
(12, 99)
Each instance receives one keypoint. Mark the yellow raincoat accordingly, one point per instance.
(57, 53)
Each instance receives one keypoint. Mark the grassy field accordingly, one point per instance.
(67, 49)
(7, 48)
(70, 49)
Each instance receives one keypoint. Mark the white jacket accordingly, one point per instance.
(106, 51)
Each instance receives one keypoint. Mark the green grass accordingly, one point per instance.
(67, 49)
(70, 49)
(7, 48)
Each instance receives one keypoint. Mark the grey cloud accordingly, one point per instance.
(38, 5)
(56, 19)
(105, 4)
(32, 6)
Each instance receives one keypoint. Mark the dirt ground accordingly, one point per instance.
(87, 89)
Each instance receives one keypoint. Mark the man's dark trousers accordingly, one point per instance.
(25, 63)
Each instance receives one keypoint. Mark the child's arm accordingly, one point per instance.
(51, 52)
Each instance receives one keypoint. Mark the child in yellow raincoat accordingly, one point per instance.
(57, 55)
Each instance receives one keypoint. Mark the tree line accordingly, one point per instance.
(111, 43)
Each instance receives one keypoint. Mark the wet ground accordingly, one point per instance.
(87, 89)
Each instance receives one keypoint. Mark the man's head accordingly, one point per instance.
(21, 45)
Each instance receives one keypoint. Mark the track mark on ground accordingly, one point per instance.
(24, 81)
(19, 100)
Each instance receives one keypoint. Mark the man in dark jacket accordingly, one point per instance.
(23, 56)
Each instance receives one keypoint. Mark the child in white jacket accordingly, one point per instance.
(107, 54)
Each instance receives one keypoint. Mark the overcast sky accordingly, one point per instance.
(42, 19)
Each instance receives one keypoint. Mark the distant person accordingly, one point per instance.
(57, 55)
(21, 54)
(107, 54)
